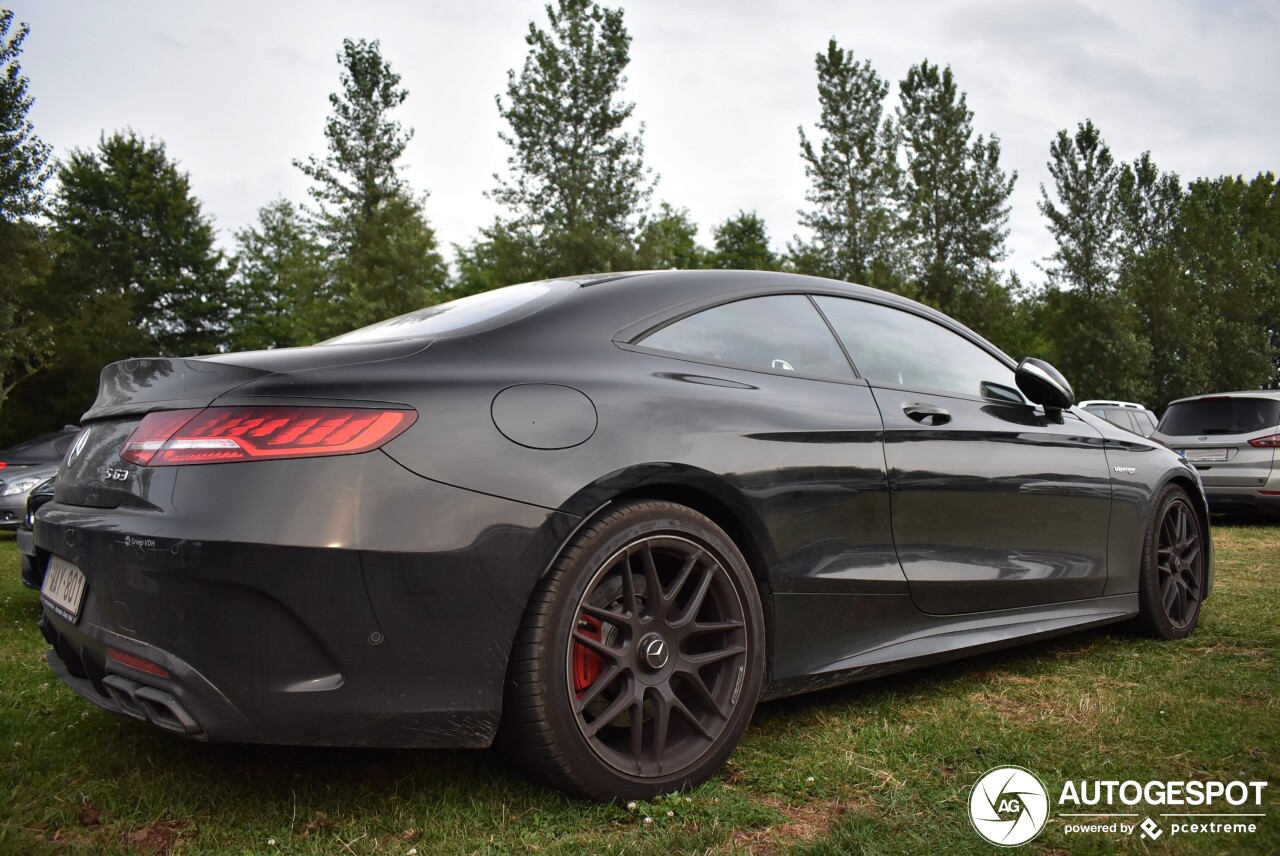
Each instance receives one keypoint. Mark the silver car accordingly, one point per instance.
(1232, 439)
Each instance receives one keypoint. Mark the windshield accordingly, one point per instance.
(1220, 416)
(469, 314)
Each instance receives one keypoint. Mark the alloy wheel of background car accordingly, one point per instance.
(640, 658)
(1173, 568)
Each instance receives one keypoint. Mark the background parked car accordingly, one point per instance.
(1129, 415)
(1231, 438)
(24, 466)
(33, 572)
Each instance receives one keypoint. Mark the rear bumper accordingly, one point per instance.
(397, 636)
(1241, 498)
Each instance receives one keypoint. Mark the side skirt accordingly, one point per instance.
(826, 640)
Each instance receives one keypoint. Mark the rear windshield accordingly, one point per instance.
(469, 314)
(1221, 416)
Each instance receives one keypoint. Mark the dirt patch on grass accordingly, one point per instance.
(157, 839)
(805, 823)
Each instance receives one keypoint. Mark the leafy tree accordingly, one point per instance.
(1154, 280)
(24, 157)
(577, 182)
(669, 241)
(1094, 331)
(24, 169)
(854, 177)
(279, 277)
(1230, 246)
(132, 234)
(136, 272)
(500, 256)
(1087, 225)
(742, 243)
(955, 193)
(383, 255)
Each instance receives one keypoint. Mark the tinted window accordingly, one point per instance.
(487, 309)
(1221, 416)
(779, 333)
(891, 346)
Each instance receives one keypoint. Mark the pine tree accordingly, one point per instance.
(577, 186)
(383, 255)
(853, 176)
(955, 194)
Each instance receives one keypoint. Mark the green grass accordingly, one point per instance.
(891, 761)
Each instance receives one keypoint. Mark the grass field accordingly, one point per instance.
(883, 767)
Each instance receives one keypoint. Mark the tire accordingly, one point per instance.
(1171, 586)
(615, 693)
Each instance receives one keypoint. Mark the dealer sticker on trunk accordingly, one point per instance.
(63, 588)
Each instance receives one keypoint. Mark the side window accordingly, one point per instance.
(892, 346)
(777, 333)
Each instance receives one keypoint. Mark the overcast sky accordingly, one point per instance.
(237, 90)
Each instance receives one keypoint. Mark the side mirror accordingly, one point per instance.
(1043, 384)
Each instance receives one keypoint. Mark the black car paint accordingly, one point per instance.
(373, 599)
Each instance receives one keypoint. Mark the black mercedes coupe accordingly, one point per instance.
(597, 519)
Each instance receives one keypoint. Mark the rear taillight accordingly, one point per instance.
(1271, 442)
(217, 435)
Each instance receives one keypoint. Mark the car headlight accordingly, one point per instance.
(20, 486)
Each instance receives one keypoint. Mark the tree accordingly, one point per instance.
(24, 169)
(1153, 278)
(383, 255)
(1087, 225)
(955, 193)
(1095, 335)
(669, 241)
(577, 185)
(1230, 247)
(135, 274)
(742, 243)
(853, 177)
(279, 277)
(24, 157)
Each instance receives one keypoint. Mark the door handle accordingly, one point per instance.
(926, 414)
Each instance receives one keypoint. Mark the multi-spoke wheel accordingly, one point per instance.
(640, 659)
(1172, 585)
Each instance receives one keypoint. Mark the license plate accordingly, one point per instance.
(1205, 455)
(63, 588)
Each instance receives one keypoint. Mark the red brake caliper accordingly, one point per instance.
(587, 664)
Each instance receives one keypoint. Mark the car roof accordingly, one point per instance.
(1251, 393)
(1102, 402)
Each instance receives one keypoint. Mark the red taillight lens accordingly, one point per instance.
(218, 435)
(1272, 442)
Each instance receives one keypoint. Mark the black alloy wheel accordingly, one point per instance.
(640, 659)
(1172, 585)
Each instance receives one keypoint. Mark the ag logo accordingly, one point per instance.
(1009, 806)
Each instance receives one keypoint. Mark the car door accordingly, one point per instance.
(996, 504)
